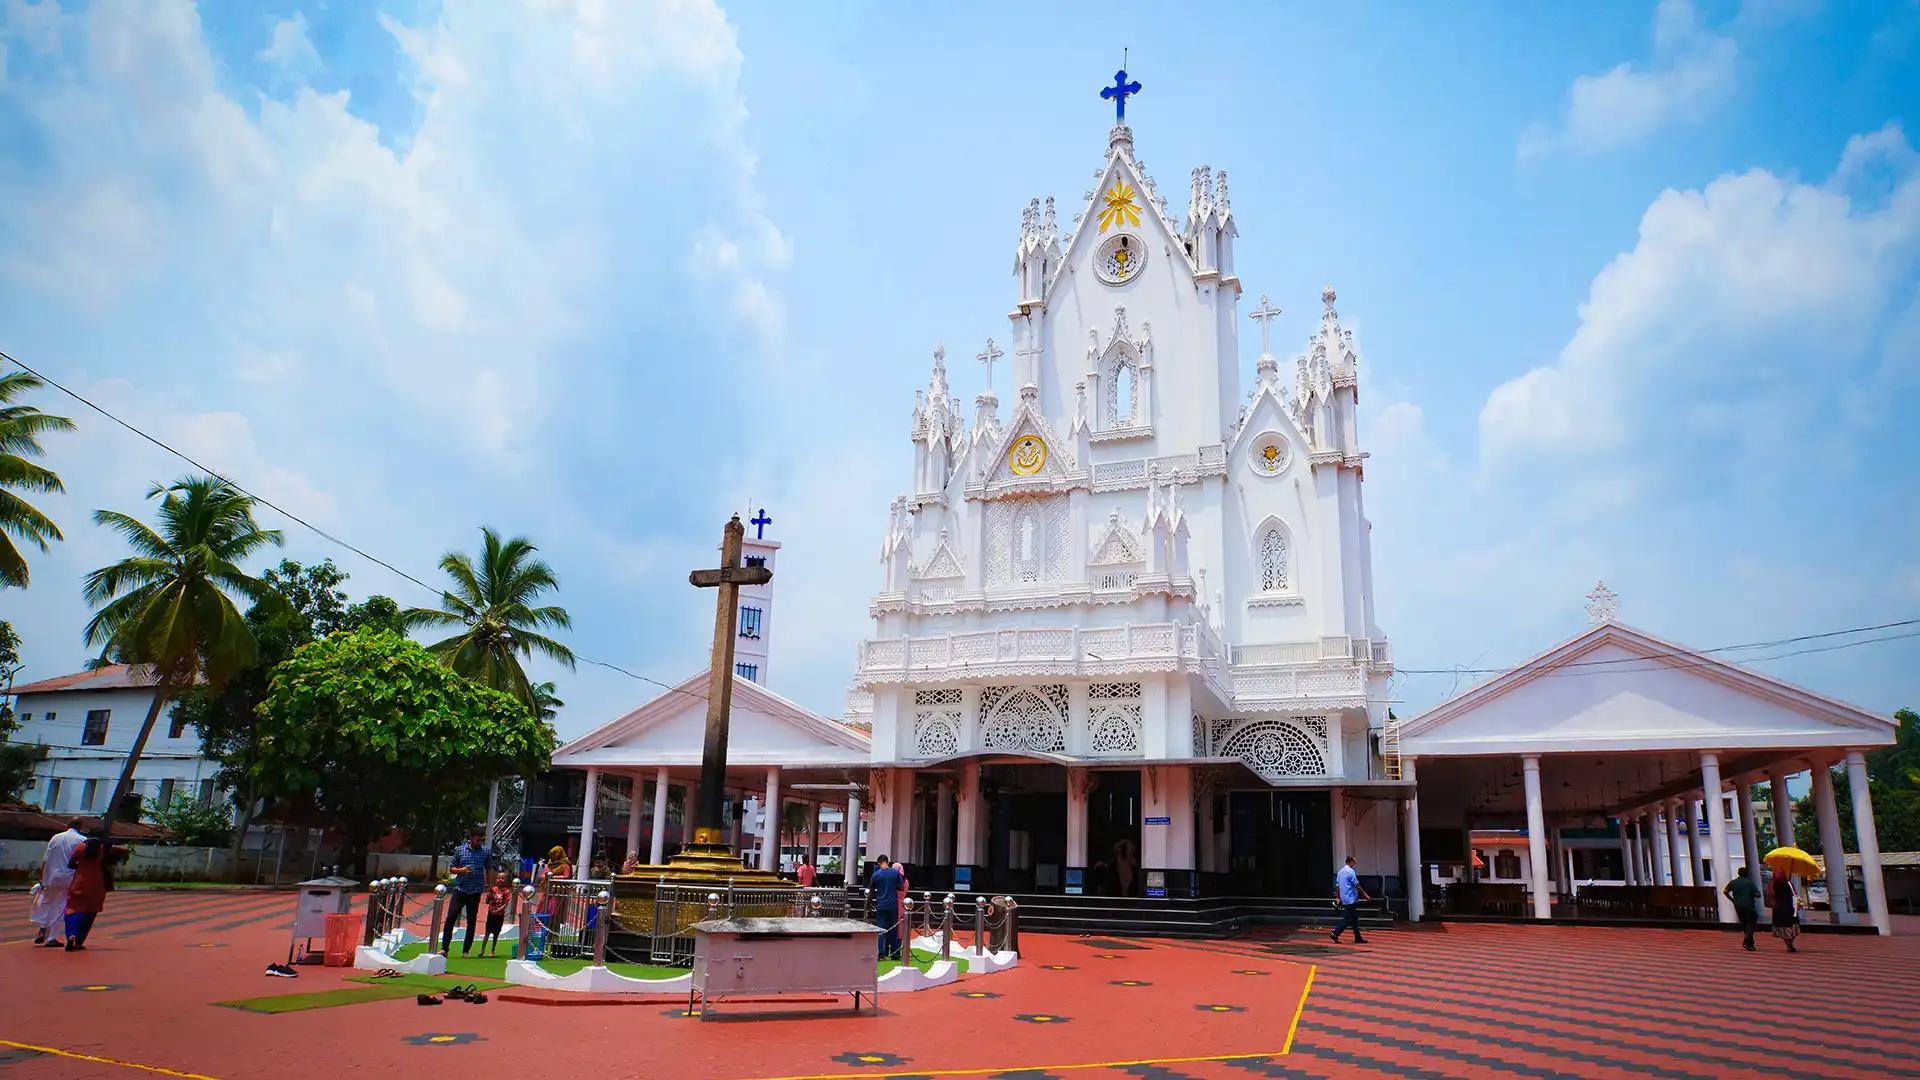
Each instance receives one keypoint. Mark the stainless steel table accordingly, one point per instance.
(737, 957)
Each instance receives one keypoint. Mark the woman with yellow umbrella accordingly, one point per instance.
(1785, 862)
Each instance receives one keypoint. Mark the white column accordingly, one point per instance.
(633, 817)
(1629, 853)
(943, 824)
(1342, 847)
(1536, 837)
(850, 838)
(1168, 793)
(657, 850)
(584, 863)
(1782, 809)
(1677, 861)
(1869, 839)
(493, 811)
(1749, 832)
(1077, 817)
(686, 815)
(770, 836)
(1657, 839)
(1416, 868)
(1827, 814)
(1698, 850)
(1717, 831)
(967, 845)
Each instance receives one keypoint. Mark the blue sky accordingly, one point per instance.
(1635, 289)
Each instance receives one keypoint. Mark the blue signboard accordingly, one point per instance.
(1076, 881)
(1159, 821)
(963, 879)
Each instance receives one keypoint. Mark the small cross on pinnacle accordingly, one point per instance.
(987, 357)
(1264, 315)
(760, 522)
(1603, 604)
(1118, 94)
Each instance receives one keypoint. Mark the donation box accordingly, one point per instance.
(758, 957)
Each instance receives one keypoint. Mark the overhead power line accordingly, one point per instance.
(1684, 658)
(308, 525)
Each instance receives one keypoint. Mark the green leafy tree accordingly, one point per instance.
(310, 606)
(170, 605)
(379, 732)
(192, 822)
(1893, 784)
(20, 429)
(16, 759)
(495, 606)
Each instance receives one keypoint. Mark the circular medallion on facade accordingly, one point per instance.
(1119, 259)
(1027, 455)
(1270, 454)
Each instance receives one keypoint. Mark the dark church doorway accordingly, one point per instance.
(1113, 833)
(1026, 849)
(1279, 843)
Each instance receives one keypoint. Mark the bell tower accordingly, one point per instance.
(753, 623)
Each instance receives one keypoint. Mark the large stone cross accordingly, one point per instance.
(1263, 315)
(709, 822)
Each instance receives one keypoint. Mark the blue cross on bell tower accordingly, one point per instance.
(1118, 93)
(760, 522)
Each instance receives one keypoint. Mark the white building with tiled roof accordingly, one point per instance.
(87, 722)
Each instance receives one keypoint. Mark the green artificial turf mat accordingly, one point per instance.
(321, 999)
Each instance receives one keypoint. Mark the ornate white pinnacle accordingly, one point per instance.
(1264, 315)
(1603, 604)
(940, 357)
(987, 356)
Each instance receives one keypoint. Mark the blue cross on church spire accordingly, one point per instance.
(760, 522)
(1118, 93)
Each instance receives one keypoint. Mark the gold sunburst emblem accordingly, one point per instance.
(1027, 455)
(1120, 208)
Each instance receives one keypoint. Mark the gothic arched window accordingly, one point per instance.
(1270, 554)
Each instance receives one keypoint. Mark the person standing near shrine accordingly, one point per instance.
(469, 868)
(56, 877)
(805, 874)
(498, 897)
(1746, 904)
(1347, 884)
(886, 884)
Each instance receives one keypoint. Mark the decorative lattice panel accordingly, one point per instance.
(1271, 554)
(1024, 719)
(1113, 727)
(936, 732)
(947, 696)
(1199, 736)
(1114, 691)
(1026, 541)
(1276, 748)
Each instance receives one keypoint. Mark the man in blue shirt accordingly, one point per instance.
(1347, 883)
(469, 868)
(885, 884)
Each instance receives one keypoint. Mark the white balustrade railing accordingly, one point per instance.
(1065, 647)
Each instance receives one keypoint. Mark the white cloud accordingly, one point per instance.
(289, 50)
(1693, 71)
(1740, 312)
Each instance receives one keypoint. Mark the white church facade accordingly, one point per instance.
(1125, 634)
(1124, 643)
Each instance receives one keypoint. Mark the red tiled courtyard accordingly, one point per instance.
(1437, 1001)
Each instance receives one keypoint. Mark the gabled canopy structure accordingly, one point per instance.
(1618, 725)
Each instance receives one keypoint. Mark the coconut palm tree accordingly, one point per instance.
(546, 703)
(20, 429)
(492, 604)
(170, 606)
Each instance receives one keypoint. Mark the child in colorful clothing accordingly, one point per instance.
(496, 899)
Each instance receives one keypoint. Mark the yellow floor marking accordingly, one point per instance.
(1024, 1068)
(1300, 1008)
(57, 1052)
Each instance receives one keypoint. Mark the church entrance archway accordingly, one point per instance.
(1026, 849)
(1113, 833)
(1280, 843)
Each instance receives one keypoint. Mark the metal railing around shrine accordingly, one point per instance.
(676, 908)
(564, 916)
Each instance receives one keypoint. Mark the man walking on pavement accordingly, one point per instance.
(1347, 884)
(469, 868)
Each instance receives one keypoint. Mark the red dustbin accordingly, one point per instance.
(343, 936)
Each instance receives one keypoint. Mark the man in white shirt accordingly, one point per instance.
(56, 876)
